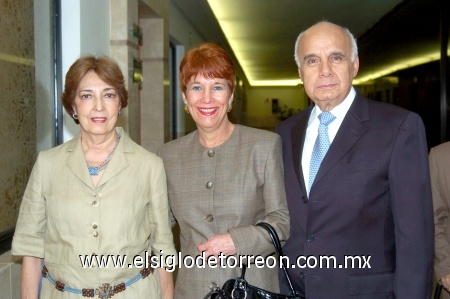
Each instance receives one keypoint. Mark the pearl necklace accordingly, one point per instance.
(94, 170)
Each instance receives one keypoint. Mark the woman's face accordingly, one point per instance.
(207, 101)
(97, 105)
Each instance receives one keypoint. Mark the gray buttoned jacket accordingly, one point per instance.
(229, 188)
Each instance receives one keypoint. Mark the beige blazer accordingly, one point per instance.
(228, 189)
(440, 187)
(63, 216)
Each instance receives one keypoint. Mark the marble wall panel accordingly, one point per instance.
(17, 105)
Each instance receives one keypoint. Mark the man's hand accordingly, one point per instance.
(446, 282)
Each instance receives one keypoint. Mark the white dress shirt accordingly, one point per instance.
(313, 126)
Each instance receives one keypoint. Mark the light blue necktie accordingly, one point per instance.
(320, 146)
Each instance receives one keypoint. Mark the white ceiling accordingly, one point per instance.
(260, 34)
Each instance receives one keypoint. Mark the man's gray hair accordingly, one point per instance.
(349, 34)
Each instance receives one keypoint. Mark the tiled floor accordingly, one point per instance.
(10, 268)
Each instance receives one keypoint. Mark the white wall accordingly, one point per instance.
(260, 104)
(85, 29)
(185, 37)
(181, 29)
(44, 75)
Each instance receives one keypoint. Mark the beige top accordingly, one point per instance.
(63, 216)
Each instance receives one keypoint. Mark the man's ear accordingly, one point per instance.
(355, 66)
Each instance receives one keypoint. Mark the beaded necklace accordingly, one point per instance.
(94, 170)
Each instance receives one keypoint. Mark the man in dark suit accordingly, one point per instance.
(366, 208)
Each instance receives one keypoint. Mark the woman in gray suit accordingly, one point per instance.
(223, 178)
(97, 195)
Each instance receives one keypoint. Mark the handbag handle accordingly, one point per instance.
(438, 290)
(278, 249)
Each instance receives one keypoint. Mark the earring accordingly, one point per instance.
(230, 107)
(120, 112)
(186, 108)
(74, 116)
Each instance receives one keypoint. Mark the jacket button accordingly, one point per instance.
(95, 233)
(211, 153)
(310, 238)
(304, 199)
(302, 275)
(209, 185)
(94, 225)
(95, 203)
(209, 218)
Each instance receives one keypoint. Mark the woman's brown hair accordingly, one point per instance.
(106, 69)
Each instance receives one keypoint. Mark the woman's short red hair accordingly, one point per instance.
(208, 60)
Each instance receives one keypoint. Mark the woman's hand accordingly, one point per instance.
(446, 282)
(217, 244)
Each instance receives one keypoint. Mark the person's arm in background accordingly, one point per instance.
(30, 278)
(441, 214)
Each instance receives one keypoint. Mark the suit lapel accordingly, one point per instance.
(77, 163)
(118, 161)
(298, 135)
(351, 129)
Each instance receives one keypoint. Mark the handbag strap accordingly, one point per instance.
(438, 290)
(217, 293)
(277, 244)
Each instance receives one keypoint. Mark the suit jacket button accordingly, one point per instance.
(211, 153)
(310, 238)
(302, 275)
(209, 185)
(304, 199)
(209, 218)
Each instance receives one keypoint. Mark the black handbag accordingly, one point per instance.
(239, 288)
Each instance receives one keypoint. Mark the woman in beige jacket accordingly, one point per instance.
(99, 195)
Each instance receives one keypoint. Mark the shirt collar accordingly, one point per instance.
(339, 111)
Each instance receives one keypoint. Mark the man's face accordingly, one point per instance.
(326, 68)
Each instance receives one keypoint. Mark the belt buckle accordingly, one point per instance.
(105, 291)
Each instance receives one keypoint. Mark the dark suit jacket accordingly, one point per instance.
(371, 198)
